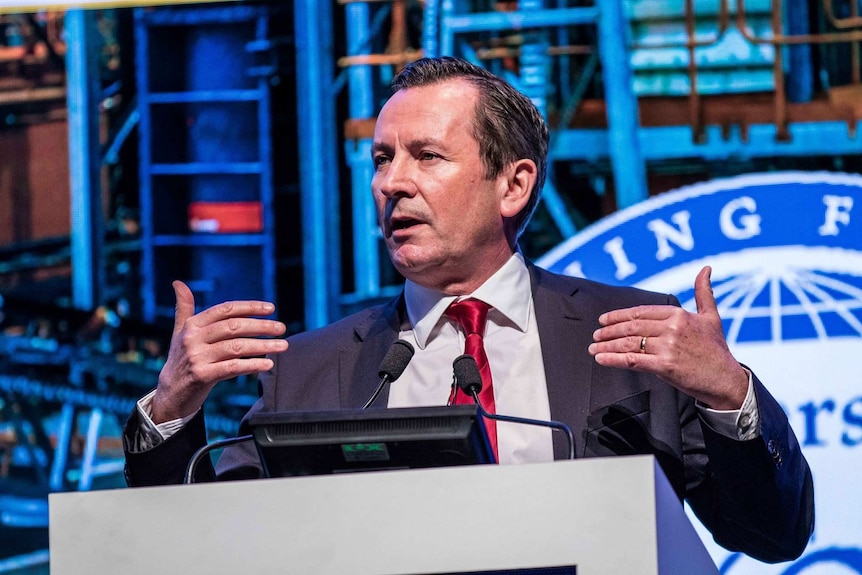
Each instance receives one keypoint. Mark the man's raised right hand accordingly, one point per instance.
(219, 343)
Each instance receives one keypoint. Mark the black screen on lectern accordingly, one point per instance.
(327, 442)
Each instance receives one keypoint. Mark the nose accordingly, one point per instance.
(394, 179)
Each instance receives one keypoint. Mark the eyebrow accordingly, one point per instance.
(380, 147)
(412, 145)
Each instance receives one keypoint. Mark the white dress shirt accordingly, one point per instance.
(514, 355)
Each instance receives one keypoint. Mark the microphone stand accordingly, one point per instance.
(570, 438)
(383, 381)
(199, 454)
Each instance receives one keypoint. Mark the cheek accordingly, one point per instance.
(478, 204)
(375, 191)
(379, 201)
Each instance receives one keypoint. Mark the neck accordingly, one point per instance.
(469, 282)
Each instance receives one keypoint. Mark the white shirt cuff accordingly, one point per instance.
(151, 434)
(742, 423)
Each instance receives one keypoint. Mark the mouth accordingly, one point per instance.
(402, 224)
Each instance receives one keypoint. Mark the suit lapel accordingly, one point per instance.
(565, 333)
(360, 361)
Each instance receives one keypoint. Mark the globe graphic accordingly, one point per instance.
(779, 294)
(794, 303)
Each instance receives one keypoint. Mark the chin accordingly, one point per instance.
(407, 257)
(407, 268)
(412, 261)
(414, 269)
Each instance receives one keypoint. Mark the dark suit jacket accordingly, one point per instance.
(755, 496)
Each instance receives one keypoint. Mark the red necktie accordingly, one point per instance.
(471, 314)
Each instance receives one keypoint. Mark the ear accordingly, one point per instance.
(520, 177)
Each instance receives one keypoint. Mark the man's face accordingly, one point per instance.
(440, 217)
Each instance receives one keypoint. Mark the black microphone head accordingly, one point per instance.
(396, 360)
(467, 374)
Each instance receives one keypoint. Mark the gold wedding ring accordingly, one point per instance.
(643, 344)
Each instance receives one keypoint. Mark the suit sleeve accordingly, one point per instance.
(165, 464)
(755, 496)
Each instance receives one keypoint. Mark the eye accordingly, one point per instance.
(380, 159)
(428, 156)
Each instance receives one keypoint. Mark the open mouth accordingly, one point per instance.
(403, 224)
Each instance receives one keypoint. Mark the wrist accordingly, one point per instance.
(734, 394)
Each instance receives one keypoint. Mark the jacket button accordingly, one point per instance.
(775, 452)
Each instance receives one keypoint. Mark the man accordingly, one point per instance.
(460, 158)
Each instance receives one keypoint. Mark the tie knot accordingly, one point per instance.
(471, 314)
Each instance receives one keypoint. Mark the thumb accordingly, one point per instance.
(185, 304)
(703, 296)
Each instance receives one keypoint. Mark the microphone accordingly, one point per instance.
(392, 366)
(469, 379)
(199, 454)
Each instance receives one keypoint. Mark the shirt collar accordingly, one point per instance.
(508, 291)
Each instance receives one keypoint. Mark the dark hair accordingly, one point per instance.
(506, 124)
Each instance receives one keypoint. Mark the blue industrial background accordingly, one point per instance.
(271, 105)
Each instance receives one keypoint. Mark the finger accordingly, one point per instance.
(234, 367)
(651, 312)
(245, 348)
(631, 360)
(631, 328)
(234, 309)
(703, 296)
(629, 344)
(242, 327)
(185, 307)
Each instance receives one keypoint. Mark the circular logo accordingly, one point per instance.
(786, 254)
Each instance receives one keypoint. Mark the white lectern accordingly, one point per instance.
(607, 516)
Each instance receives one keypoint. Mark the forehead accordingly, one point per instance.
(442, 109)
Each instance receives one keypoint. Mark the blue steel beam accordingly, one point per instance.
(564, 64)
(65, 429)
(91, 445)
(82, 79)
(541, 18)
(267, 179)
(431, 29)
(366, 258)
(145, 160)
(453, 22)
(629, 169)
(318, 155)
(675, 142)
